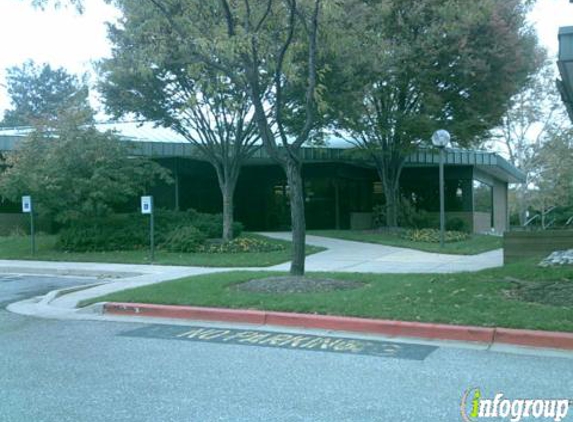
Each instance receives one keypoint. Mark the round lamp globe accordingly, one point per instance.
(441, 138)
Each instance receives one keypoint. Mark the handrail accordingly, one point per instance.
(548, 210)
(552, 222)
(531, 219)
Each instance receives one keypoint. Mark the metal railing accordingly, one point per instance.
(531, 219)
(542, 216)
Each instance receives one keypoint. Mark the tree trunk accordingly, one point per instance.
(227, 183)
(294, 177)
(391, 194)
(390, 182)
(228, 193)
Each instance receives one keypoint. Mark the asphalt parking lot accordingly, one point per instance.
(57, 371)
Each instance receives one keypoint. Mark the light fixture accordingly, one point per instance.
(441, 139)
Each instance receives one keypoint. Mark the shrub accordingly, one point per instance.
(408, 216)
(118, 232)
(433, 236)
(169, 219)
(244, 244)
(131, 231)
(411, 217)
(75, 173)
(379, 215)
(184, 239)
(422, 220)
(457, 224)
(210, 224)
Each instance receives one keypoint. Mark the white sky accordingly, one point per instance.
(65, 38)
(60, 37)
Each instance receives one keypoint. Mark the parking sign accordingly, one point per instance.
(27, 204)
(146, 204)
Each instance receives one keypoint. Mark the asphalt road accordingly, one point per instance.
(58, 371)
(14, 287)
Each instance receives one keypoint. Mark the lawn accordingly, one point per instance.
(18, 247)
(487, 298)
(475, 245)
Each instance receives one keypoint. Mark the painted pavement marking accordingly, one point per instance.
(292, 341)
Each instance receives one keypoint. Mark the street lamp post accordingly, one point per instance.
(441, 139)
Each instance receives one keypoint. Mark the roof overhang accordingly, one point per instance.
(488, 162)
(565, 65)
(161, 145)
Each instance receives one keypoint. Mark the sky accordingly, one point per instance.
(64, 38)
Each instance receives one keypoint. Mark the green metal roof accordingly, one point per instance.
(160, 142)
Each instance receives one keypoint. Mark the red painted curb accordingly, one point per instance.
(387, 327)
(326, 322)
(185, 312)
(554, 340)
(550, 339)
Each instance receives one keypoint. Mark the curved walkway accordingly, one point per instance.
(350, 256)
(341, 255)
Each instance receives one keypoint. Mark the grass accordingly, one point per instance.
(18, 247)
(485, 298)
(475, 245)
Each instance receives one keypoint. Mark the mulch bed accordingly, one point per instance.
(554, 293)
(292, 284)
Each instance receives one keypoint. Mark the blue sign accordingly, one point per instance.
(146, 204)
(27, 204)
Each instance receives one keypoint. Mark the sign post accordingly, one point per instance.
(27, 208)
(147, 208)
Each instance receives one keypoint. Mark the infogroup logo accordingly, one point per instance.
(475, 407)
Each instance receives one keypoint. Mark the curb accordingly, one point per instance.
(548, 339)
(491, 336)
(67, 272)
(54, 294)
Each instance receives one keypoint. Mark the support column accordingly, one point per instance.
(176, 174)
(337, 203)
(442, 203)
(500, 207)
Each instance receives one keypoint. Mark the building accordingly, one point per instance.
(565, 65)
(341, 190)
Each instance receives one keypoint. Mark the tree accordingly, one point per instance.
(41, 95)
(552, 177)
(429, 64)
(76, 173)
(268, 38)
(536, 115)
(41, 4)
(267, 49)
(154, 81)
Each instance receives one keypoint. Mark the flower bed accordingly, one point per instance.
(433, 236)
(242, 245)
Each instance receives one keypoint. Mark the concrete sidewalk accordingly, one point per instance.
(349, 256)
(107, 278)
(341, 255)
